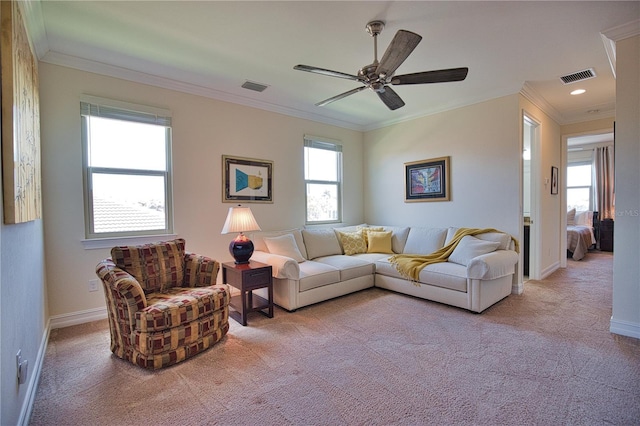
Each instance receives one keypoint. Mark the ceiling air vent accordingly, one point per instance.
(256, 87)
(578, 76)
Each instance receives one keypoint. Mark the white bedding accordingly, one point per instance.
(580, 235)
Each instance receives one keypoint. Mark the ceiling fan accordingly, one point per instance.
(379, 75)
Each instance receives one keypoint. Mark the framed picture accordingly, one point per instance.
(554, 180)
(21, 173)
(247, 180)
(427, 180)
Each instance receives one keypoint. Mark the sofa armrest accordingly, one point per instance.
(282, 266)
(492, 265)
(199, 271)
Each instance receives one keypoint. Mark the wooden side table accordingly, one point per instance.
(247, 277)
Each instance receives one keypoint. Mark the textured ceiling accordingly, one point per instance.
(211, 48)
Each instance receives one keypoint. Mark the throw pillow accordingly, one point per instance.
(284, 245)
(321, 242)
(470, 247)
(571, 217)
(366, 229)
(379, 242)
(352, 242)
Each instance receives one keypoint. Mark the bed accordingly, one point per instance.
(580, 232)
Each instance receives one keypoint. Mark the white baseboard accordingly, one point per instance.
(56, 321)
(624, 328)
(75, 318)
(32, 387)
(549, 270)
(517, 288)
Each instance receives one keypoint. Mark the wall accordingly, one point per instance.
(23, 313)
(625, 318)
(203, 130)
(483, 143)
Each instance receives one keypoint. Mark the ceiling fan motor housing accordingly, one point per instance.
(375, 27)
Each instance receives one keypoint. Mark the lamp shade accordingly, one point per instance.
(240, 219)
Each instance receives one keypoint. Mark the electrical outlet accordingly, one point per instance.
(93, 285)
(22, 368)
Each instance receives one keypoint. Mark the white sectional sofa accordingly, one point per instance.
(317, 264)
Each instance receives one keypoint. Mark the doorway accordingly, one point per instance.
(530, 197)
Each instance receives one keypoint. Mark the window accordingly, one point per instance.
(323, 180)
(579, 186)
(127, 169)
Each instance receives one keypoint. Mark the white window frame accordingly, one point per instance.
(109, 108)
(329, 145)
(589, 187)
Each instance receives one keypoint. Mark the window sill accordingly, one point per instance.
(101, 243)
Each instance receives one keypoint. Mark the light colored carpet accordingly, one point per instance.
(372, 358)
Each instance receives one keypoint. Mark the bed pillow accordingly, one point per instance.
(352, 242)
(284, 245)
(571, 217)
(584, 218)
(379, 242)
(470, 247)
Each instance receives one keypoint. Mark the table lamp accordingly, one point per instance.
(240, 219)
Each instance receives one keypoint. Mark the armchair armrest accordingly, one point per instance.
(492, 265)
(281, 266)
(121, 290)
(200, 271)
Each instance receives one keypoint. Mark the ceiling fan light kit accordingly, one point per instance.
(380, 74)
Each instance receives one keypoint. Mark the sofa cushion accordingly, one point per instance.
(447, 275)
(321, 242)
(315, 274)
(258, 239)
(424, 240)
(349, 267)
(470, 247)
(352, 242)
(379, 242)
(284, 245)
(157, 267)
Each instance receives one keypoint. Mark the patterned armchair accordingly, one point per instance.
(163, 304)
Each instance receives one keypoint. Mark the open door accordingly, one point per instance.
(530, 196)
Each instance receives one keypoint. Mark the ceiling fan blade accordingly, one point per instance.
(323, 71)
(391, 98)
(400, 48)
(340, 96)
(438, 76)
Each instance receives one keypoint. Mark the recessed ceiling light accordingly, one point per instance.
(578, 92)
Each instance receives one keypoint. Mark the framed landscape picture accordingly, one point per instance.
(427, 180)
(246, 179)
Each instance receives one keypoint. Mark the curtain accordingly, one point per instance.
(604, 182)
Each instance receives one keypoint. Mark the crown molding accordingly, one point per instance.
(100, 68)
(610, 36)
(620, 32)
(534, 97)
(34, 23)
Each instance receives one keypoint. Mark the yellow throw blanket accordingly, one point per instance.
(410, 265)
